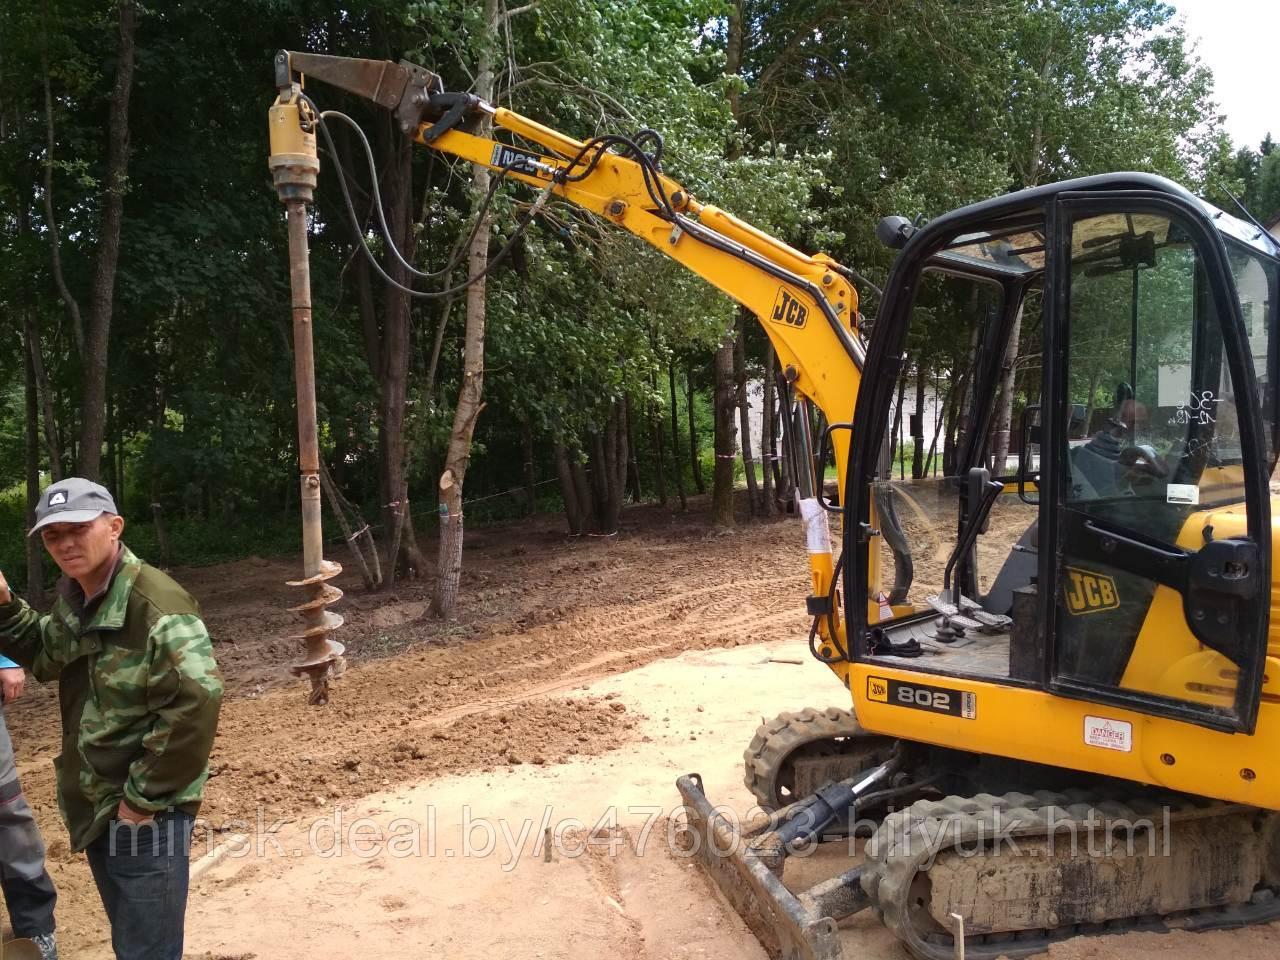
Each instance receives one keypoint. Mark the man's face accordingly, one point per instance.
(80, 549)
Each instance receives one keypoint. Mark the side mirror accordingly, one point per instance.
(1029, 432)
(894, 232)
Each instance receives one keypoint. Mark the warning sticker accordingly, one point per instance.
(817, 532)
(1182, 493)
(1108, 734)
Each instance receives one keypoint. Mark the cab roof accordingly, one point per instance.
(1012, 241)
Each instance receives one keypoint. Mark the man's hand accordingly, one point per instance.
(129, 815)
(5, 595)
(12, 681)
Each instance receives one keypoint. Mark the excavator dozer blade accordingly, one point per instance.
(787, 928)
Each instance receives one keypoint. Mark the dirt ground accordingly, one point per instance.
(409, 818)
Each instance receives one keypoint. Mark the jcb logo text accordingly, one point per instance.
(787, 309)
(1088, 592)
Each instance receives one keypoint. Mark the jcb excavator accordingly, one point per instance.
(1064, 682)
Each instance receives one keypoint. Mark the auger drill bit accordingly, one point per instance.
(294, 167)
(322, 659)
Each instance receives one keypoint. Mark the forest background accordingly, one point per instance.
(144, 299)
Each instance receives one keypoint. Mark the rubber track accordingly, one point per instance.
(893, 863)
(776, 741)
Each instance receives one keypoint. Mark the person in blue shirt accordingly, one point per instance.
(28, 890)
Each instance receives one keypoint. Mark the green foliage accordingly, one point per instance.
(848, 112)
(1267, 202)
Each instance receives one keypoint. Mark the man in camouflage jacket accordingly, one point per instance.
(140, 693)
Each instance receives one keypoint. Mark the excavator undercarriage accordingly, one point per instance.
(1013, 854)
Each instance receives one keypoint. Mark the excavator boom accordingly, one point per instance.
(806, 304)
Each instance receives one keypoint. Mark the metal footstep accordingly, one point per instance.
(993, 622)
(967, 614)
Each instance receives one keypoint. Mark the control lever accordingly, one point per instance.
(982, 493)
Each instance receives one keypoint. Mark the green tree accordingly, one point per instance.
(1267, 201)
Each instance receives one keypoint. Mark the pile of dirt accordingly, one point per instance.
(537, 732)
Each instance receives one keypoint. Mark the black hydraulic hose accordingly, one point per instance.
(376, 193)
(373, 261)
(842, 653)
(459, 288)
(648, 165)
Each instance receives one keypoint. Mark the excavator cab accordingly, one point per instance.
(1057, 508)
(1091, 365)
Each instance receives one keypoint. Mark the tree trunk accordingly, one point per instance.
(98, 331)
(917, 424)
(370, 334)
(337, 507)
(633, 468)
(695, 461)
(530, 481)
(120, 458)
(744, 412)
(1004, 409)
(786, 425)
(734, 45)
(52, 437)
(895, 451)
(609, 469)
(31, 336)
(111, 482)
(51, 220)
(402, 525)
(470, 394)
(676, 471)
(659, 447)
(582, 489)
(621, 456)
(949, 432)
(959, 416)
(395, 353)
(162, 538)
(429, 387)
(726, 440)
(599, 477)
(941, 417)
(768, 442)
(573, 512)
(35, 551)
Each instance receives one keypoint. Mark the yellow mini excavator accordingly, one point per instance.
(1056, 638)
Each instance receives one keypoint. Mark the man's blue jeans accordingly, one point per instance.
(28, 891)
(142, 873)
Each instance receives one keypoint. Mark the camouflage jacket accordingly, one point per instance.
(139, 691)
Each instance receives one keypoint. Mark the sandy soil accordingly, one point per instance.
(583, 679)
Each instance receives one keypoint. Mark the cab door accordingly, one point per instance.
(1159, 547)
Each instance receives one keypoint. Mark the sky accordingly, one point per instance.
(1239, 40)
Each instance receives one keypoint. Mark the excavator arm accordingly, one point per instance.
(806, 304)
